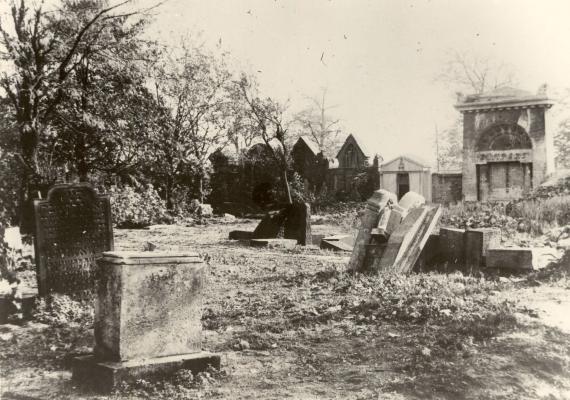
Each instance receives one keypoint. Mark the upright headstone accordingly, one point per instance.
(452, 241)
(298, 223)
(369, 221)
(147, 319)
(73, 228)
(477, 242)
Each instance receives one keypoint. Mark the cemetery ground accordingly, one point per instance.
(293, 324)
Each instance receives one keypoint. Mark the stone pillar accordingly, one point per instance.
(369, 221)
(147, 319)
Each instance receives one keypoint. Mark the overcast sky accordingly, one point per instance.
(377, 59)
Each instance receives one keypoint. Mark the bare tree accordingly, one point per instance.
(468, 72)
(321, 127)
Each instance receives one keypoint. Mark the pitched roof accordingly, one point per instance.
(311, 144)
(411, 158)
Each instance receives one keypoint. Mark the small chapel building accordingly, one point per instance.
(507, 147)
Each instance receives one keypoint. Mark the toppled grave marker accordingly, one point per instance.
(391, 237)
(73, 228)
(241, 235)
(288, 244)
(520, 258)
(147, 319)
(369, 220)
(338, 243)
(291, 222)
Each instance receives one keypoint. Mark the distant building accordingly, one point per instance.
(507, 148)
(353, 163)
(406, 173)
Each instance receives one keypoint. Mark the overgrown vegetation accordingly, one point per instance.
(135, 209)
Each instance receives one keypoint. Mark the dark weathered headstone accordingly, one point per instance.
(147, 319)
(298, 223)
(477, 241)
(452, 241)
(271, 226)
(73, 228)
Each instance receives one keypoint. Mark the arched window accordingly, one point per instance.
(504, 137)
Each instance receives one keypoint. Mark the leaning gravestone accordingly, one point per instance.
(147, 319)
(73, 228)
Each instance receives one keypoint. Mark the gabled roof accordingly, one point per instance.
(421, 164)
(311, 144)
(350, 139)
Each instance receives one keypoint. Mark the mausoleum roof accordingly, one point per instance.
(503, 97)
(311, 144)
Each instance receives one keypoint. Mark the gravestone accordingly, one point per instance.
(297, 223)
(148, 314)
(73, 228)
(369, 220)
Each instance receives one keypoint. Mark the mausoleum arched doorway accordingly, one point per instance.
(504, 163)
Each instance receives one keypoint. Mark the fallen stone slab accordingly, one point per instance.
(416, 239)
(519, 258)
(335, 245)
(396, 240)
(288, 244)
(241, 235)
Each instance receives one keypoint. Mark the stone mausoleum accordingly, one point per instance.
(507, 147)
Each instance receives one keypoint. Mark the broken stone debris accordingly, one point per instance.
(391, 236)
(369, 220)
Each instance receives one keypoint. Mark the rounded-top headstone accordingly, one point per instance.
(411, 200)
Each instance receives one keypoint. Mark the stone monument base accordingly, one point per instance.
(104, 376)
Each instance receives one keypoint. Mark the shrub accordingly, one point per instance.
(59, 309)
(134, 209)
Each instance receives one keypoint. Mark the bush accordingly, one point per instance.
(59, 309)
(9, 187)
(133, 209)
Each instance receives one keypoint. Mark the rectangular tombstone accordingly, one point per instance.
(452, 242)
(147, 320)
(298, 223)
(73, 228)
(477, 241)
(149, 304)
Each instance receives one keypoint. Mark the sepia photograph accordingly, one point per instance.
(284, 199)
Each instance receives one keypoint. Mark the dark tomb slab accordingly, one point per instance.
(73, 228)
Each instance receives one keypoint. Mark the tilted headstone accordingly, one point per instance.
(147, 319)
(73, 228)
(369, 221)
(298, 223)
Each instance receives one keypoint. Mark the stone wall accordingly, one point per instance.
(446, 187)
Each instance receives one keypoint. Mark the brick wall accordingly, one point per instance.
(446, 187)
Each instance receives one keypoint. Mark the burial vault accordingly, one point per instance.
(507, 147)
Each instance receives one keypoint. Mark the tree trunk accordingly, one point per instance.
(201, 187)
(287, 189)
